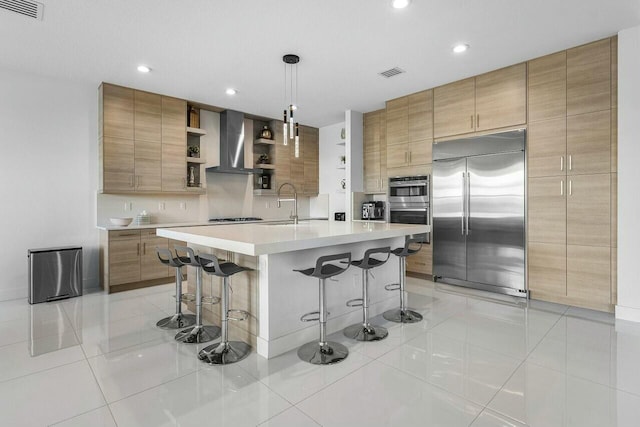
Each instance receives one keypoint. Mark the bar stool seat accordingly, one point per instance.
(403, 314)
(365, 331)
(323, 352)
(226, 352)
(178, 320)
(199, 333)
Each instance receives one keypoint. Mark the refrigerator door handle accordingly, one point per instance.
(468, 201)
(464, 210)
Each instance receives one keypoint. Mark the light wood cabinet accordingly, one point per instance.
(589, 276)
(118, 164)
(311, 161)
(421, 262)
(116, 111)
(408, 141)
(547, 205)
(150, 266)
(588, 210)
(501, 98)
(375, 155)
(547, 148)
(454, 108)
(147, 141)
(589, 143)
(420, 116)
(397, 121)
(124, 257)
(589, 78)
(547, 270)
(547, 86)
(174, 168)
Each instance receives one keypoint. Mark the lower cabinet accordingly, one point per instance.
(421, 262)
(128, 259)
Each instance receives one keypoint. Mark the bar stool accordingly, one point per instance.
(178, 320)
(226, 351)
(403, 314)
(199, 333)
(365, 331)
(323, 352)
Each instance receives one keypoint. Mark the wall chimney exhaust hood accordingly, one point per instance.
(232, 144)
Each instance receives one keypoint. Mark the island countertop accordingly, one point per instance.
(260, 239)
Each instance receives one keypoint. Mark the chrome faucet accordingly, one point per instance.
(294, 217)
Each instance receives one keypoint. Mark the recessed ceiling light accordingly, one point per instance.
(459, 48)
(231, 91)
(400, 4)
(143, 68)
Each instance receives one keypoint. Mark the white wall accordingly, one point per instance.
(48, 164)
(628, 306)
(330, 175)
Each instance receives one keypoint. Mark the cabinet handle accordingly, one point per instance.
(472, 121)
(131, 183)
(128, 234)
(144, 248)
(410, 157)
(570, 192)
(570, 167)
(138, 248)
(478, 121)
(561, 163)
(562, 187)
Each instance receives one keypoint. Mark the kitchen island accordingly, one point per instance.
(275, 295)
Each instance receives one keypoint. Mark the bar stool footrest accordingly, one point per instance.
(188, 297)
(356, 302)
(210, 300)
(243, 315)
(392, 287)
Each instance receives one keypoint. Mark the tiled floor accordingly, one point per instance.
(474, 361)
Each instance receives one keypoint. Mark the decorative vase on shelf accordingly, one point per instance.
(266, 133)
(343, 184)
(192, 176)
(343, 133)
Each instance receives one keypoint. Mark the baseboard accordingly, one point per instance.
(627, 313)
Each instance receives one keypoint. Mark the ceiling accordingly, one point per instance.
(198, 48)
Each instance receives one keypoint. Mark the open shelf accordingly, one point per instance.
(199, 160)
(264, 141)
(341, 143)
(196, 131)
(265, 166)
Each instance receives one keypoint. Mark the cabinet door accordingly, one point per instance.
(383, 151)
(420, 152)
(397, 156)
(117, 111)
(588, 210)
(150, 265)
(547, 146)
(547, 270)
(371, 131)
(124, 257)
(174, 121)
(118, 167)
(282, 163)
(174, 168)
(589, 143)
(397, 118)
(311, 161)
(501, 98)
(589, 276)
(372, 171)
(547, 84)
(420, 120)
(421, 262)
(454, 108)
(547, 205)
(148, 165)
(297, 164)
(589, 78)
(148, 117)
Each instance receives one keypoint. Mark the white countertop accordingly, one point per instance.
(132, 226)
(268, 238)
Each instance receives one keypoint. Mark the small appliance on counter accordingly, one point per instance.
(339, 216)
(373, 210)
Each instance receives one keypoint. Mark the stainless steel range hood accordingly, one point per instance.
(232, 144)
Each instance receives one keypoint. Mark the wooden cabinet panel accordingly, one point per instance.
(383, 151)
(148, 166)
(397, 119)
(589, 275)
(371, 131)
(421, 262)
(614, 140)
(118, 166)
(547, 216)
(150, 265)
(420, 118)
(614, 210)
(297, 166)
(117, 111)
(371, 171)
(397, 156)
(589, 78)
(589, 143)
(420, 152)
(311, 162)
(547, 148)
(454, 108)
(614, 72)
(124, 259)
(501, 98)
(174, 168)
(588, 210)
(547, 270)
(375, 154)
(174, 122)
(547, 85)
(148, 116)
(614, 275)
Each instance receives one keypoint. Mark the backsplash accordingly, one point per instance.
(162, 208)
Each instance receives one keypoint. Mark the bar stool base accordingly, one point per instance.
(225, 353)
(359, 332)
(399, 316)
(198, 334)
(332, 353)
(177, 321)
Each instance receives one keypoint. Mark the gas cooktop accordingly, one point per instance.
(239, 219)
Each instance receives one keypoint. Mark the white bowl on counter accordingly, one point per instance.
(122, 222)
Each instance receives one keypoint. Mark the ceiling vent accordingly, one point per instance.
(389, 73)
(31, 9)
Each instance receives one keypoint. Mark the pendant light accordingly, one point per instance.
(289, 127)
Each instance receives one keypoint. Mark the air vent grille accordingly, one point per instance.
(31, 9)
(389, 73)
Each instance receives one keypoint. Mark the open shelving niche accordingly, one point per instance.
(340, 166)
(263, 146)
(195, 161)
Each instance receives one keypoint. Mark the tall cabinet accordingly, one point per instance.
(571, 214)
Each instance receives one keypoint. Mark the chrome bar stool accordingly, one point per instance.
(178, 320)
(226, 351)
(403, 314)
(323, 352)
(199, 333)
(365, 331)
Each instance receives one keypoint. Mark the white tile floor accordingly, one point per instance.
(473, 361)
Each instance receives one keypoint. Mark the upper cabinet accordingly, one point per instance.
(116, 112)
(374, 166)
(548, 87)
(589, 78)
(490, 101)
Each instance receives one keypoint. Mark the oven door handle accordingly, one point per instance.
(410, 210)
(408, 184)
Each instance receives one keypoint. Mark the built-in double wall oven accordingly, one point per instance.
(409, 201)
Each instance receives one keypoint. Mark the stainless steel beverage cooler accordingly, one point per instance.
(54, 273)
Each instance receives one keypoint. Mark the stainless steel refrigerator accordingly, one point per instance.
(479, 212)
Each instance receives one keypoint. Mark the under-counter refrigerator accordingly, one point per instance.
(479, 212)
